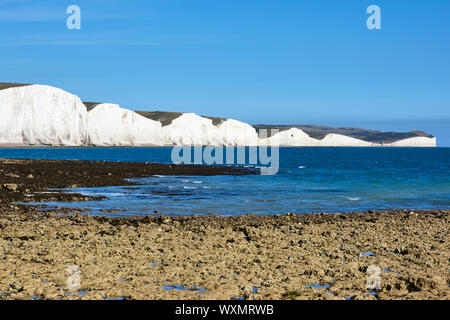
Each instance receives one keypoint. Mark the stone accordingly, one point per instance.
(12, 175)
(10, 186)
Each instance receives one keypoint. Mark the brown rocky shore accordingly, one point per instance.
(326, 256)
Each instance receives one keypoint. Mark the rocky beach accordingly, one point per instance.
(312, 256)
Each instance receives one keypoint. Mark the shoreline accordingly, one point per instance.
(18, 146)
(27, 180)
(311, 256)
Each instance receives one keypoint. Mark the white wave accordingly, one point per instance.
(192, 181)
(110, 194)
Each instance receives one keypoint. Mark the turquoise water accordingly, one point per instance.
(309, 180)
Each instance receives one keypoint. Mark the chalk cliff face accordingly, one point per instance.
(110, 125)
(297, 138)
(293, 137)
(236, 133)
(43, 115)
(414, 142)
(337, 140)
(191, 129)
(38, 114)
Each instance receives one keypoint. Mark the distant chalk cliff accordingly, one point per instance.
(33, 114)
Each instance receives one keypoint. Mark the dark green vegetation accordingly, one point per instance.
(7, 85)
(165, 118)
(90, 105)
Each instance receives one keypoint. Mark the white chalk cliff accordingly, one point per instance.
(38, 114)
(237, 133)
(110, 125)
(191, 129)
(297, 138)
(338, 140)
(44, 115)
(414, 142)
(293, 138)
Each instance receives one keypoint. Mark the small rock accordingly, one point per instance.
(246, 289)
(266, 283)
(12, 175)
(10, 186)
(16, 285)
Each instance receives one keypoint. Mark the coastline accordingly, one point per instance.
(27, 180)
(26, 146)
(312, 256)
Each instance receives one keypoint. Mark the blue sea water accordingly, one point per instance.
(309, 180)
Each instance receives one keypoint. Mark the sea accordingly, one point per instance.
(309, 180)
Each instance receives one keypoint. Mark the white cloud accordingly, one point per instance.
(105, 39)
(40, 13)
(30, 14)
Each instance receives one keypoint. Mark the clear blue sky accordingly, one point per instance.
(259, 61)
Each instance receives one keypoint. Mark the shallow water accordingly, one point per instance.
(318, 286)
(181, 287)
(309, 180)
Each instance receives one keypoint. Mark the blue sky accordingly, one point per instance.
(259, 61)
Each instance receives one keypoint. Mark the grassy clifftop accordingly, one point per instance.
(7, 85)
